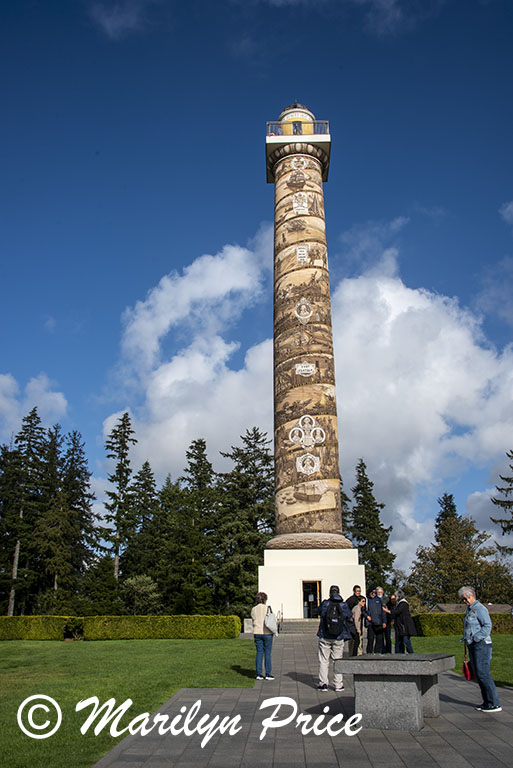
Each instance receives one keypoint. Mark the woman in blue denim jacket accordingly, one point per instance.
(477, 627)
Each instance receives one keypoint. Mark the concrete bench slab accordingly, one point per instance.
(395, 691)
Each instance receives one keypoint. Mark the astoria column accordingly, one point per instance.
(308, 502)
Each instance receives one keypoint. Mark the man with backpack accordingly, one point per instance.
(334, 628)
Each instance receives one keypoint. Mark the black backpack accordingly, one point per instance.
(334, 621)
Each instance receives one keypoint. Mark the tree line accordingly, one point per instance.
(194, 544)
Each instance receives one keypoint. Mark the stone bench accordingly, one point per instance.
(396, 691)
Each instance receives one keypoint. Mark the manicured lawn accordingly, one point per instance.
(502, 653)
(147, 671)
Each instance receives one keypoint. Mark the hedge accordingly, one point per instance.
(431, 624)
(161, 627)
(119, 627)
(33, 627)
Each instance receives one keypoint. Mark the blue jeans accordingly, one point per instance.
(403, 644)
(480, 654)
(264, 646)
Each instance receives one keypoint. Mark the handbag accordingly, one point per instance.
(270, 621)
(466, 669)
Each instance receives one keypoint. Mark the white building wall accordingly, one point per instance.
(284, 571)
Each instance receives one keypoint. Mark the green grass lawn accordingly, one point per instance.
(502, 654)
(147, 671)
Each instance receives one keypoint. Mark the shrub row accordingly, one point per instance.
(119, 627)
(430, 624)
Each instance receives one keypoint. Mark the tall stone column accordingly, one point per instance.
(308, 503)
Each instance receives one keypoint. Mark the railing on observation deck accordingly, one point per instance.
(298, 128)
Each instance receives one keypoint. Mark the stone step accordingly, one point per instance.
(299, 626)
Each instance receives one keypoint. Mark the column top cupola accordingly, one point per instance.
(297, 131)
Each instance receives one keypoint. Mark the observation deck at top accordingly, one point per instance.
(297, 124)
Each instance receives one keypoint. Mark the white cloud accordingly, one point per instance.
(118, 19)
(371, 243)
(480, 508)
(381, 17)
(506, 211)
(14, 405)
(494, 298)
(208, 296)
(421, 396)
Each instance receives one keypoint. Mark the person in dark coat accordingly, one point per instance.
(387, 638)
(404, 624)
(375, 622)
(355, 598)
(331, 647)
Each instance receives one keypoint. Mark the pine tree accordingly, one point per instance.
(10, 521)
(200, 507)
(366, 530)
(447, 514)
(76, 485)
(460, 555)
(506, 505)
(30, 442)
(119, 507)
(245, 522)
(139, 556)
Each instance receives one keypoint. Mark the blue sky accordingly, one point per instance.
(135, 243)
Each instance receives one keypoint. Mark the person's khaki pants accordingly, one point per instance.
(330, 650)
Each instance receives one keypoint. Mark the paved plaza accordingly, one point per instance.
(459, 738)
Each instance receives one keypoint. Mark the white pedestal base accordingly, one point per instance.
(282, 575)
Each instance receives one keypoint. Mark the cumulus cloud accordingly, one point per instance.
(15, 404)
(422, 396)
(494, 298)
(208, 296)
(381, 17)
(118, 19)
(480, 508)
(372, 243)
(506, 211)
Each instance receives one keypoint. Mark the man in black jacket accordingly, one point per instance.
(376, 623)
(355, 597)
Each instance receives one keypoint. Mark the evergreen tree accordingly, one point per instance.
(119, 507)
(505, 502)
(139, 555)
(197, 515)
(447, 514)
(100, 591)
(460, 555)
(364, 526)
(182, 534)
(30, 443)
(76, 485)
(245, 522)
(10, 522)
(168, 530)
(141, 596)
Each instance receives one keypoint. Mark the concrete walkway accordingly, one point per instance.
(459, 738)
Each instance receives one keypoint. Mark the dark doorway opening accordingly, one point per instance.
(311, 598)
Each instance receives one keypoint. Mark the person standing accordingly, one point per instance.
(355, 597)
(477, 627)
(375, 622)
(358, 614)
(263, 638)
(387, 641)
(335, 619)
(404, 624)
